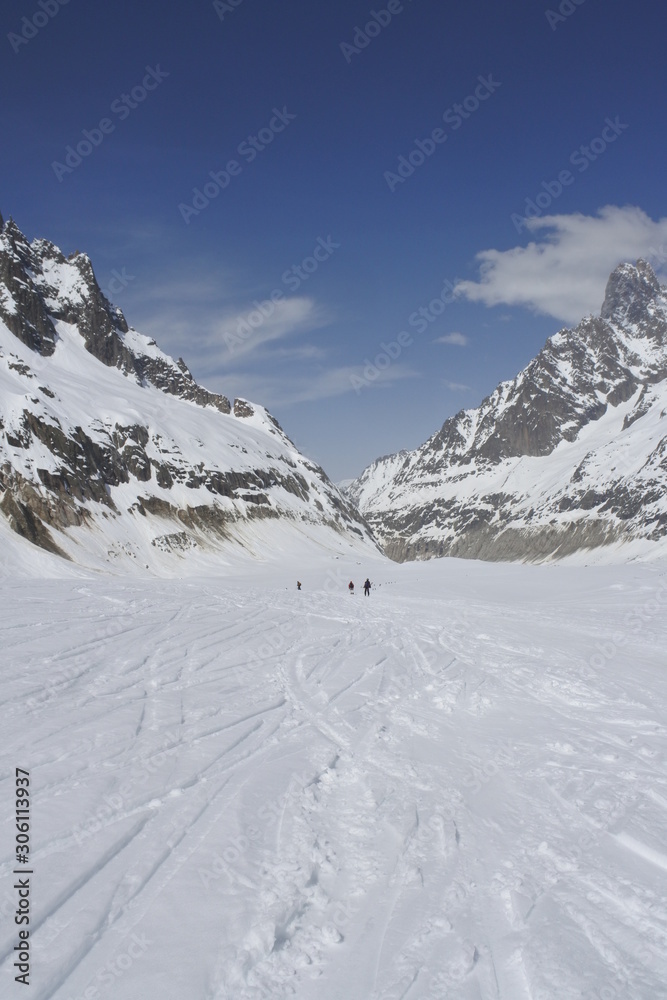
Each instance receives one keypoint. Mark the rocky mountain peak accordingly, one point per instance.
(40, 287)
(96, 432)
(13, 241)
(487, 484)
(630, 290)
(22, 307)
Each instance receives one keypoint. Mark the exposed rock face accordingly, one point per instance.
(242, 408)
(629, 294)
(570, 454)
(38, 286)
(22, 308)
(99, 427)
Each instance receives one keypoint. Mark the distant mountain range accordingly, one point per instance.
(570, 454)
(111, 452)
(109, 449)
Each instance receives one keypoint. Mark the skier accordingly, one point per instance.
(350, 587)
(367, 587)
(298, 584)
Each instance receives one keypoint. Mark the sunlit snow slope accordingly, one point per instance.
(455, 788)
(111, 454)
(570, 455)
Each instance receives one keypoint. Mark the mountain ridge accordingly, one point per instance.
(463, 493)
(102, 434)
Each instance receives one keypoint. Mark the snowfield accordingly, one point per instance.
(455, 788)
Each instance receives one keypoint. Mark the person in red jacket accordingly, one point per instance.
(350, 587)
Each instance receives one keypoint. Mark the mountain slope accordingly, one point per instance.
(109, 449)
(572, 453)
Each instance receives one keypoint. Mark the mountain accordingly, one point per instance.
(570, 454)
(110, 452)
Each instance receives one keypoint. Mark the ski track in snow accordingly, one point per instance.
(243, 793)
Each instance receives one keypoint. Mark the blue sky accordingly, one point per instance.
(372, 189)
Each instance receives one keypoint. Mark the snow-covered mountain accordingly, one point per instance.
(570, 454)
(109, 449)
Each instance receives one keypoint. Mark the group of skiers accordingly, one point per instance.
(350, 586)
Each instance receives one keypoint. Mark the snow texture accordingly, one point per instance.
(569, 455)
(455, 788)
(111, 454)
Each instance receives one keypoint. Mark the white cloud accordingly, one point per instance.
(245, 333)
(459, 339)
(456, 386)
(565, 272)
(300, 352)
(185, 290)
(186, 320)
(305, 387)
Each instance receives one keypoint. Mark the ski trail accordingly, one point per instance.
(83, 878)
(421, 797)
(642, 851)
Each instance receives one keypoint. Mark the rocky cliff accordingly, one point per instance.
(108, 447)
(570, 454)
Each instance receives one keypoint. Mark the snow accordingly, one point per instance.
(612, 472)
(604, 449)
(64, 279)
(140, 344)
(181, 432)
(7, 301)
(453, 788)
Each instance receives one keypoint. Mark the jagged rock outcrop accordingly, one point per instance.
(569, 454)
(101, 432)
(39, 285)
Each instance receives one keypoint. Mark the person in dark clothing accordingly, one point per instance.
(367, 587)
(298, 584)
(350, 587)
